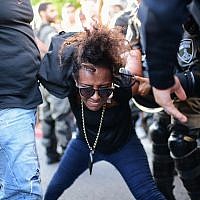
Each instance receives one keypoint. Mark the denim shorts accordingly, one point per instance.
(19, 166)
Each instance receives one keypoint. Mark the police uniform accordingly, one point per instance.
(175, 146)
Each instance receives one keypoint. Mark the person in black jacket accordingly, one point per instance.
(175, 144)
(19, 98)
(162, 29)
(99, 96)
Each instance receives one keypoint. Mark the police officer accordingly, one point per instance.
(162, 29)
(176, 146)
(55, 114)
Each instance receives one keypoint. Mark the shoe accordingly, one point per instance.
(53, 159)
(61, 150)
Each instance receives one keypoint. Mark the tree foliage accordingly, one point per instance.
(58, 3)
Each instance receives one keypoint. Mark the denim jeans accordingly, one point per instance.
(19, 166)
(130, 161)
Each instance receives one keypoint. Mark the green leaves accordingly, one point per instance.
(57, 3)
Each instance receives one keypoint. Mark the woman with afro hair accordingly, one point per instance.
(99, 88)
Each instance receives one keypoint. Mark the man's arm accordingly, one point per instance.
(162, 31)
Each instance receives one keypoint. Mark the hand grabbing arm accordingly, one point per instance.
(163, 98)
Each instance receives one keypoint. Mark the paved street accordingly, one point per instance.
(104, 184)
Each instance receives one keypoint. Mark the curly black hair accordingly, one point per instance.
(100, 46)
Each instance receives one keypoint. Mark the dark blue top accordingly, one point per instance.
(19, 56)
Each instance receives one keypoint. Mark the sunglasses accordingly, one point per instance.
(89, 91)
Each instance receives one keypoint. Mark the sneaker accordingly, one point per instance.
(53, 159)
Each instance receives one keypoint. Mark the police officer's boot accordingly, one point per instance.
(183, 146)
(163, 164)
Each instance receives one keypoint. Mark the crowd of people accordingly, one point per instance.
(76, 77)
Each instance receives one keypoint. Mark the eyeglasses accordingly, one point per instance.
(103, 92)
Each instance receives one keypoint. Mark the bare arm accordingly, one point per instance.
(134, 65)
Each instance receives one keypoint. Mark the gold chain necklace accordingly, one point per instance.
(92, 148)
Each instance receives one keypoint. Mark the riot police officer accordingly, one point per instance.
(162, 29)
(176, 146)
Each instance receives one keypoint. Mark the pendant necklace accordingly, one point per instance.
(19, 2)
(92, 148)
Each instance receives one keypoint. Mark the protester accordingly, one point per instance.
(99, 97)
(47, 30)
(70, 21)
(19, 98)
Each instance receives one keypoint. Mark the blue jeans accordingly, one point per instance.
(19, 166)
(130, 161)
